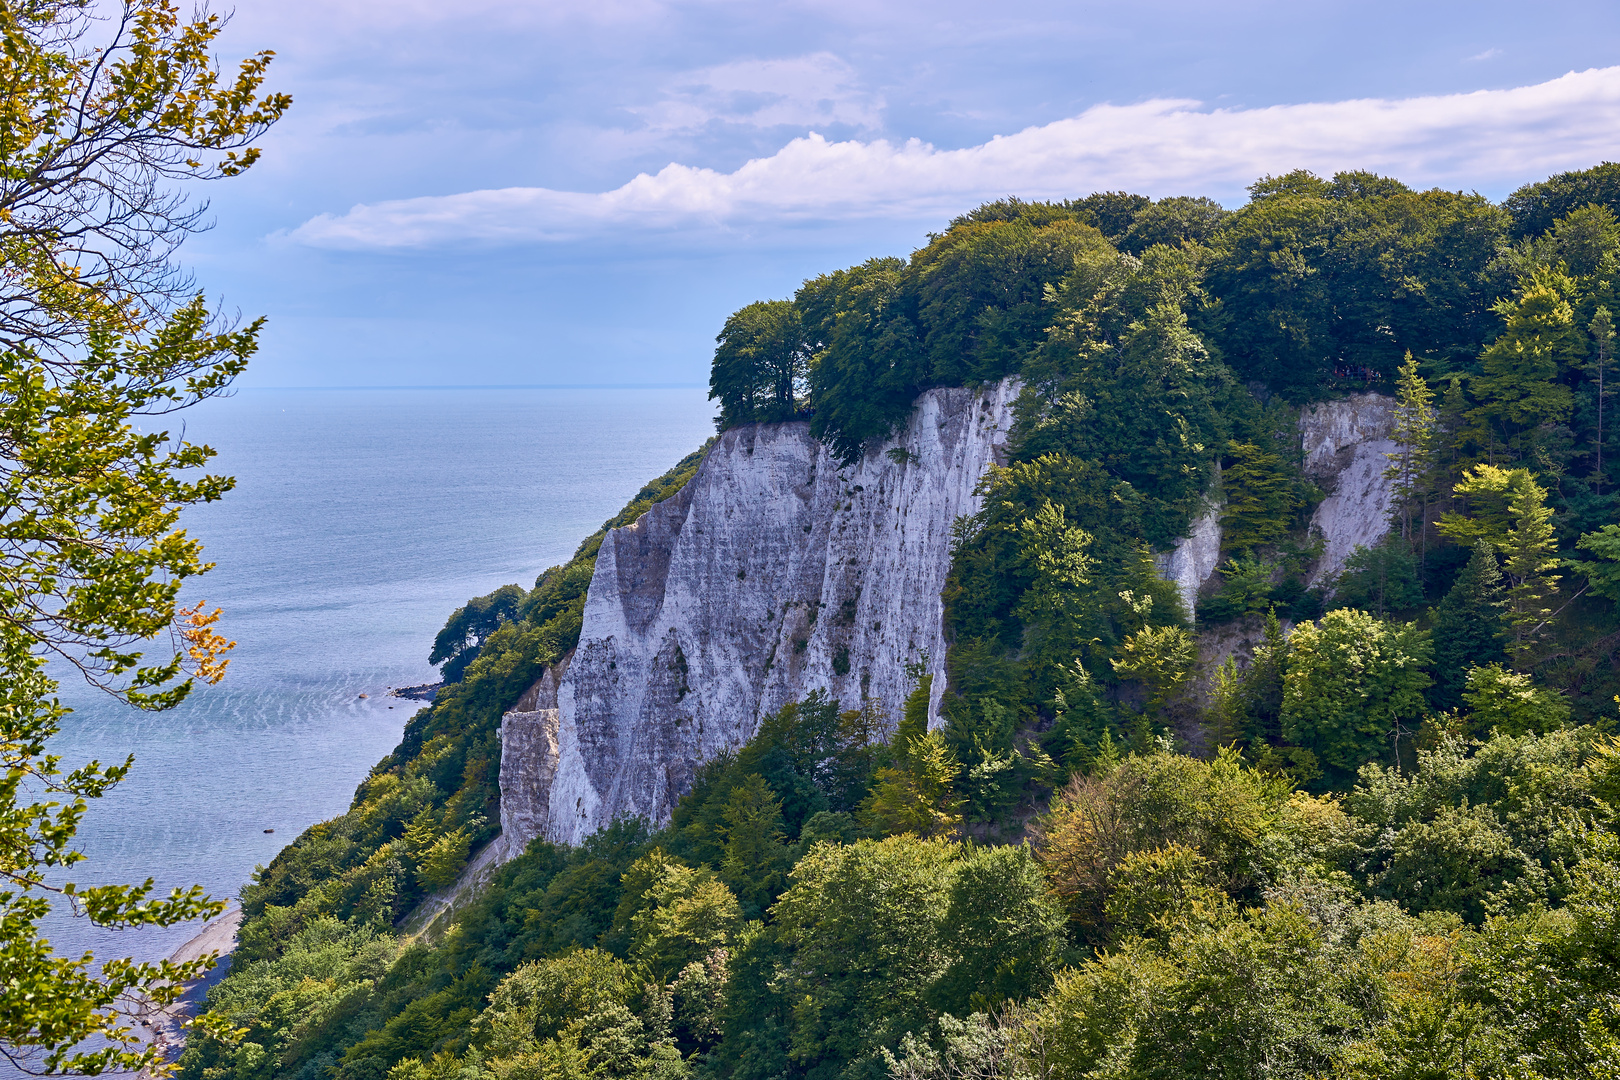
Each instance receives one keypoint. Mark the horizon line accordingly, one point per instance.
(488, 386)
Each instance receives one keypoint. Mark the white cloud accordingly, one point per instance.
(806, 91)
(1160, 147)
(1488, 54)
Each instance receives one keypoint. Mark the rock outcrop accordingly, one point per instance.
(777, 571)
(1194, 558)
(530, 750)
(1347, 444)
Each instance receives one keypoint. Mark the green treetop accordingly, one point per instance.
(1517, 389)
(1354, 683)
(1414, 465)
(1468, 628)
(760, 365)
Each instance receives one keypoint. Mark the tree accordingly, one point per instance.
(760, 365)
(1530, 554)
(1413, 466)
(1517, 389)
(1173, 221)
(1005, 928)
(98, 330)
(917, 794)
(464, 633)
(1381, 578)
(1602, 573)
(755, 856)
(682, 917)
(1507, 509)
(1537, 207)
(1504, 702)
(1352, 683)
(1260, 498)
(1468, 628)
(1161, 658)
(865, 923)
(1602, 330)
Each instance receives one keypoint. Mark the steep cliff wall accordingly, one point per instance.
(1347, 444)
(776, 571)
(773, 573)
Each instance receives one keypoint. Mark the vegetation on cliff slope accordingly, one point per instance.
(1391, 852)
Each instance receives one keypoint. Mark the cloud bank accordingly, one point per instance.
(1158, 147)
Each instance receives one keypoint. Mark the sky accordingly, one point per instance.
(559, 193)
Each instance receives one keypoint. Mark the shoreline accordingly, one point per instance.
(218, 935)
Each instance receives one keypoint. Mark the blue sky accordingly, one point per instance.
(496, 193)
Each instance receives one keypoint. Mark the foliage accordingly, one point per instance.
(1143, 804)
(464, 632)
(1380, 579)
(1537, 207)
(761, 365)
(1517, 389)
(1467, 627)
(1161, 657)
(917, 793)
(827, 903)
(1261, 500)
(1324, 282)
(1353, 682)
(1603, 572)
(1414, 467)
(99, 333)
(1505, 703)
(1508, 510)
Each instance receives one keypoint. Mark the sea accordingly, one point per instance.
(360, 520)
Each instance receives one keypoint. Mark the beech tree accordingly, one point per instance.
(100, 111)
(760, 364)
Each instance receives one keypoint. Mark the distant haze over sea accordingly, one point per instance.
(360, 520)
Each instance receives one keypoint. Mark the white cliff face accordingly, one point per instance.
(776, 571)
(1347, 444)
(773, 573)
(1194, 558)
(529, 754)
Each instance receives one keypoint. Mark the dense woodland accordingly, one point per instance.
(1382, 842)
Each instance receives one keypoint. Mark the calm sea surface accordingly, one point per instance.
(360, 520)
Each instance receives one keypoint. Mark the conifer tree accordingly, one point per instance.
(1455, 432)
(1602, 328)
(1412, 466)
(1517, 388)
(1468, 629)
(1260, 498)
(1507, 509)
(1529, 557)
(916, 793)
(1263, 682)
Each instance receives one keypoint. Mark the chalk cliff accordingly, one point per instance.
(777, 571)
(1347, 444)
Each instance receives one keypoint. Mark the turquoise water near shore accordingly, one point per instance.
(360, 520)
